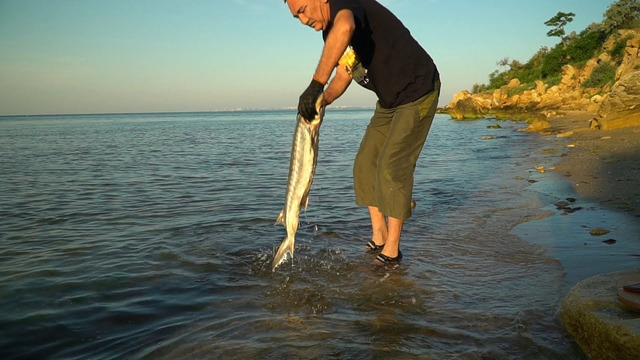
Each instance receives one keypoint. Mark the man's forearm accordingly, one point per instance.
(337, 86)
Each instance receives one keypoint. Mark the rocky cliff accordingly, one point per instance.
(622, 107)
(617, 105)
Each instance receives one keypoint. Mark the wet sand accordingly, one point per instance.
(594, 185)
(602, 166)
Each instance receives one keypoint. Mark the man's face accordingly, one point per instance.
(313, 13)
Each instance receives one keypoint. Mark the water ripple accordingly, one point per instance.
(152, 236)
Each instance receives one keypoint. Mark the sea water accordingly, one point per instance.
(152, 236)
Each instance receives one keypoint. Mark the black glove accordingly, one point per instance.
(307, 103)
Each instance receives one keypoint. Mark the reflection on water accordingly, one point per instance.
(151, 236)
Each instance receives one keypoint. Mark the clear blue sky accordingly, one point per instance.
(96, 56)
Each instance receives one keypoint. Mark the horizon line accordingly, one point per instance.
(292, 108)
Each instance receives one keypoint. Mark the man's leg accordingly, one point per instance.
(364, 170)
(383, 234)
(396, 164)
(378, 226)
(392, 246)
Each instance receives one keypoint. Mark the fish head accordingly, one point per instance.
(317, 120)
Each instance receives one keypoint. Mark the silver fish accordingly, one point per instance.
(304, 155)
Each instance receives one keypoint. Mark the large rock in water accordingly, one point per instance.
(602, 326)
(622, 107)
(468, 106)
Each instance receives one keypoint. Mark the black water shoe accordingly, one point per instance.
(387, 260)
(371, 246)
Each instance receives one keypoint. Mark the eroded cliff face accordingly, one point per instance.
(569, 95)
(622, 107)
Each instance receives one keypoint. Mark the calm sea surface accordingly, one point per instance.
(152, 235)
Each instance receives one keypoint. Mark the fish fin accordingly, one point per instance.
(280, 219)
(305, 201)
(281, 255)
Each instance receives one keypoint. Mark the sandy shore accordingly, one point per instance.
(602, 173)
(603, 166)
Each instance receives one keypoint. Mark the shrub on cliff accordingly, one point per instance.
(584, 46)
(603, 74)
(529, 73)
(581, 48)
(498, 79)
(617, 52)
(478, 88)
(554, 61)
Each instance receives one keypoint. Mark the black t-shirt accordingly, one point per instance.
(398, 68)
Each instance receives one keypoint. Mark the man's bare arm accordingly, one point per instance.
(337, 86)
(337, 41)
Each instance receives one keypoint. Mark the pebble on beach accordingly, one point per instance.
(598, 232)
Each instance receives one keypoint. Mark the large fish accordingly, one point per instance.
(304, 154)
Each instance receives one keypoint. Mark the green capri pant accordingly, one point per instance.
(385, 163)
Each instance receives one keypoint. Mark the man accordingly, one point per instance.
(365, 42)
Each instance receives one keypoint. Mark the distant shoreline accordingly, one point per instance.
(347, 108)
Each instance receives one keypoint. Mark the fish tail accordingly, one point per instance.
(281, 255)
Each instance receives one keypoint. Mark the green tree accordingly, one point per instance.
(553, 62)
(584, 46)
(558, 23)
(503, 62)
(620, 15)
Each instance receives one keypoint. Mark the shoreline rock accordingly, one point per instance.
(602, 124)
(599, 323)
(616, 104)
